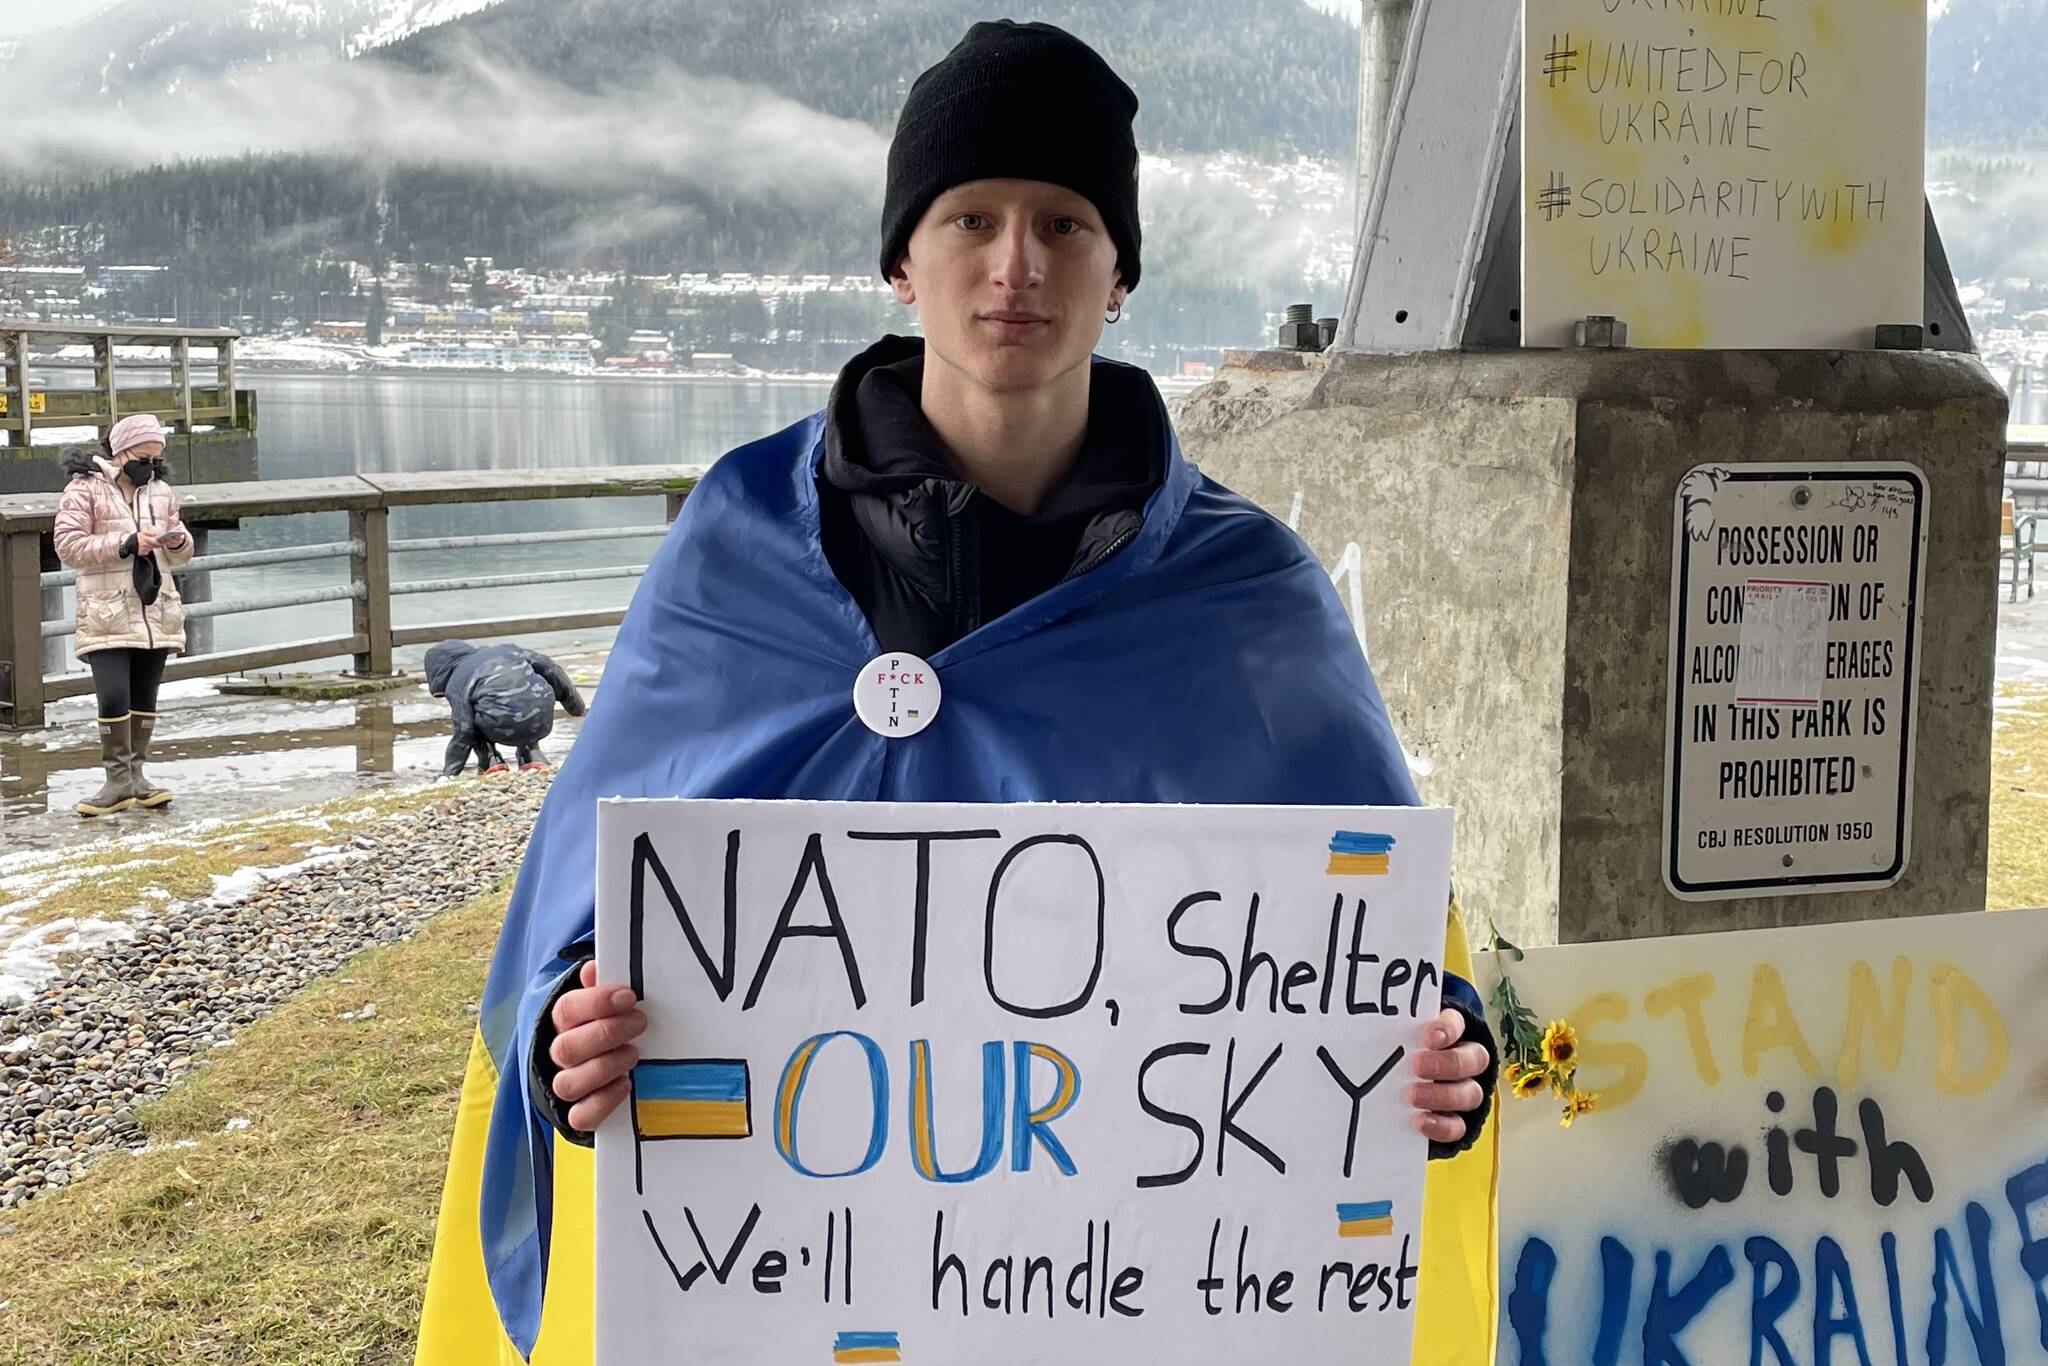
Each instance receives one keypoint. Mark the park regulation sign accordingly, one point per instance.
(1795, 619)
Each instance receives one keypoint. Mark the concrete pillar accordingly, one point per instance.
(1511, 517)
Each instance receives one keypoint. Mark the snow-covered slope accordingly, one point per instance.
(133, 49)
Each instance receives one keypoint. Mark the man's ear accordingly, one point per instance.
(899, 280)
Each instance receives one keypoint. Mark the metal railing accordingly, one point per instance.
(31, 595)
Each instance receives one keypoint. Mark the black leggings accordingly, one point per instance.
(126, 680)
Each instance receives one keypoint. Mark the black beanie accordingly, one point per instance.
(1017, 101)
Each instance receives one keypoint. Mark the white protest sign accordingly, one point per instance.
(1723, 173)
(1815, 1145)
(1016, 1084)
(1795, 620)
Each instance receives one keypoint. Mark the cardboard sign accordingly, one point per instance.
(1825, 1144)
(1795, 622)
(1016, 1084)
(1723, 173)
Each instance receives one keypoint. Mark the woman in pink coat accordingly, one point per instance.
(118, 527)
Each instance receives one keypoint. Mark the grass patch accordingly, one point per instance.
(105, 882)
(302, 1238)
(2018, 870)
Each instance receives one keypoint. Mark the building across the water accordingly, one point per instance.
(504, 353)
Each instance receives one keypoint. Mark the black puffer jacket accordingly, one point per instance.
(503, 694)
(927, 555)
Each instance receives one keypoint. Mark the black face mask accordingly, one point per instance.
(139, 472)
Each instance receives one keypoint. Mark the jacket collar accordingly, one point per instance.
(832, 456)
(877, 440)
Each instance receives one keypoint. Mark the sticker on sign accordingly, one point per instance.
(1795, 616)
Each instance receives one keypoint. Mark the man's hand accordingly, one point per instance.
(594, 1030)
(1446, 1092)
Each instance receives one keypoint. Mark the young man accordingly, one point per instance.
(1012, 515)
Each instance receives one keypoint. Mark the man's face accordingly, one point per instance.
(1010, 279)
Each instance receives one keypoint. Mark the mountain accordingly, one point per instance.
(139, 49)
(1982, 56)
(711, 134)
(1277, 79)
(638, 133)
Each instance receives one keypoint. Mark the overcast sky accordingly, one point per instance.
(26, 16)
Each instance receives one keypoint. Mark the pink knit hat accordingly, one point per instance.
(132, 431)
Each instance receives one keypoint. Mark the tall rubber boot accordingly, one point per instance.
(139, 787)
(531, 759)
(114, 751)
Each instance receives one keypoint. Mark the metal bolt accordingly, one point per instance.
(1801, 496)
(1299, 332)
(1326, 329)
(1788, 860)
(1600, 331)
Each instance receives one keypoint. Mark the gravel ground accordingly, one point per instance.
(124, 1021)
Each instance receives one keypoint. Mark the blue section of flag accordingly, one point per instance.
(847, 1342)
(1371, 1209)
(697, 1079)
(1358, 842)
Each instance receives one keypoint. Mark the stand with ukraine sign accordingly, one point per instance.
(1825, 1144)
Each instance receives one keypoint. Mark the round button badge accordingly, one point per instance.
(896, 695)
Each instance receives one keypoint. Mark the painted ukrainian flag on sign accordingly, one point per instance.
(1355, 852)
(866, 1347)
(1370, 1219)
(692, 1098)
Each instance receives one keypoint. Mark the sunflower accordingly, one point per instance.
(1525, 1082)
(1577, 1103)
(1561, 1046)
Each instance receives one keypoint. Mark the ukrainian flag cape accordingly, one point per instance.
(1207, 661)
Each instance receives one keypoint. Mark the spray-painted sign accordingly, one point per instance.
(1817, 1145)
(1795, 613)
(1016, 1084)
(1725, 173)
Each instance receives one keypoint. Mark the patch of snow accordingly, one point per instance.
(236, 1125)
(31, 960)
(236, 886)
(176, 1146)
(408, 17)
